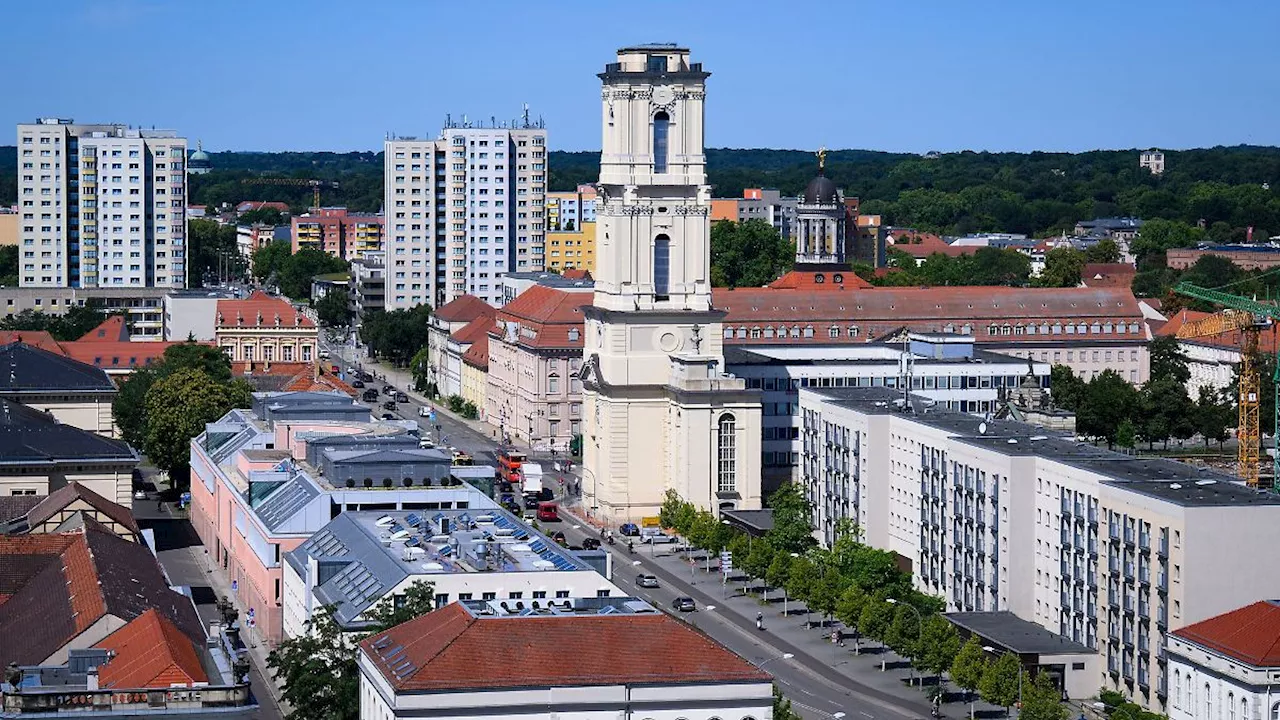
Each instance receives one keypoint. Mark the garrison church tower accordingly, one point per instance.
(659, 412)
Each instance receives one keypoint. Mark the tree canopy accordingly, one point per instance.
(213, 252)
(748, 254)
(397, 335)
(178, 406)
(332, 309)
(71, 325)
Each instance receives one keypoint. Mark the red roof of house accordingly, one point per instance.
(113, 355)
(260, 310)
(113, 329)
(35, 338)
(576, 274)
(64, 496)
(452, 649)
(549, 313)
(290, 377)
(1108, 274)
(808, 280)
(1267, 339)
(922, 244)
(1250, 634)
(149, 652)
(473, 330)
(477, 355)
(464, 309)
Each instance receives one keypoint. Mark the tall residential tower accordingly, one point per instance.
(101, 206)
(659, 412)
(462, 211)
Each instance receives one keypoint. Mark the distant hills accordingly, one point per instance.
(955, 192)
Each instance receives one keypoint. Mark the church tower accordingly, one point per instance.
(659, 412)
(820, 223)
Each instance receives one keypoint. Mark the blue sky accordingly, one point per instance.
(900, 75)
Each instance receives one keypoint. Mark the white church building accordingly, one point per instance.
(659, 411)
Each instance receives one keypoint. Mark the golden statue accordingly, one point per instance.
(822, 158)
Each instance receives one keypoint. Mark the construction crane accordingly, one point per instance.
(314, 184)
(1248, 317)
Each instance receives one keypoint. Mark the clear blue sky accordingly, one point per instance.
(901, 75)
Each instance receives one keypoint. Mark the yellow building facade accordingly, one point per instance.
(572, 250)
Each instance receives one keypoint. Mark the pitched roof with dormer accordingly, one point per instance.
(463, 309)
(29, 369)
(261, 311)
(543, 318)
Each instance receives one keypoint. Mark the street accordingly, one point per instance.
(818, 687)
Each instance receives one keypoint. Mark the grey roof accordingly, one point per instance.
(1169, 480)
(30, 436)
(285, 501)
(1016, 635)
(553, 280)
(357, 457)
(28, 369)
(756, 522)
(821, 191)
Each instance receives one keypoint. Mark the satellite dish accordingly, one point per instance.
(982, 428)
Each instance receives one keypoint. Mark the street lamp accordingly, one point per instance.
(919, 626)
(988, 648)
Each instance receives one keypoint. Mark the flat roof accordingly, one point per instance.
(757, 522)
(1168, 480)
(870, 354)
(1016, 635)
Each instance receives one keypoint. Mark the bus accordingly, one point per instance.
(509, 462)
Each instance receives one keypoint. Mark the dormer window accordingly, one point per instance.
(656, 64)
(819, 278)
(573, 334)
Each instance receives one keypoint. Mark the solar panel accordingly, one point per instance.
(413, 519)
(396, 527)
(446, 551)
(438, 517)
(411, 542)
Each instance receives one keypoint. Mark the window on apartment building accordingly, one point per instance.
(727, 459)
(661, 127)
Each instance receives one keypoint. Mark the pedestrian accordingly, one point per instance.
(759, 621)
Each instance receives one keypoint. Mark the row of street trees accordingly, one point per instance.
(277, 264)
(1109, 408)
(864, 589)
(161, 407)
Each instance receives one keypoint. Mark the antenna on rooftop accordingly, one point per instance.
(526, 115)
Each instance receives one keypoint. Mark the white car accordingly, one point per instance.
(657, 538)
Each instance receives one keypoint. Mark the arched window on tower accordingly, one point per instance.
(726, 455)
(661, 267)
(661, 126)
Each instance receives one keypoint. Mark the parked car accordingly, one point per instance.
(558, 537)
(684, 604)
(548, 512)
(401, 397)
(366, 377)
(389, 405)
(629, 529)
(646, 581)
(658, 538)
(424, 411)
(388, 416)
(357, 384)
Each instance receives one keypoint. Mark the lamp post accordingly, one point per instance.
(919, 626)
(988, 648)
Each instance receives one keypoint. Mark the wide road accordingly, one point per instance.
(815, 690)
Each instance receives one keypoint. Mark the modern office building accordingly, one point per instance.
(143, 308)
(101, 206)
(362, 559)
(477, 659)
(1109, 550)
(462, 210)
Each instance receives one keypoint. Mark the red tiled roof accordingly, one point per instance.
(464, 309)
(118, 355)
(477, 355)
(451, 649)
(290, 377)
(549, 313)
(1250, 634)
(1268, 339)
(149, 652)
(35, 338)
(921, 245)
(64, 496)
(808, 280)
(1108, 274)
(260, 310)
(576, 274)
(883, 309)
(472, 331)
(113, 329)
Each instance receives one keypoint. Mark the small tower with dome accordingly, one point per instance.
(199, 163)
(820, 221)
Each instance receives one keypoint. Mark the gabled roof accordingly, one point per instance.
(113, 329)
(62, 584)
(1268, 339)
(1108, 274)
(1250, 634)
(477, 355)
(26, 368)
(576, 274)
(464, 309)
(472, 331)
(289, 377)
(28, 435)
(38, 338)
(550, 315)
(149, 652)
(808, 280)
(453, 650)
(921, 245)
(64, 496)
(260, 310)
(119, 354)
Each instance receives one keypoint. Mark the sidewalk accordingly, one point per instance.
(791, 632)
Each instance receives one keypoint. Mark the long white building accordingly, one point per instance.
(462, 210)
(1109, 550)
(101, 206)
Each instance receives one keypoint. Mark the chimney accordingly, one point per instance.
(91, 678)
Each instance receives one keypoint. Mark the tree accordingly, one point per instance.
(1066, 388)
(778, 574)
(849, 607)
(1103, 251)
(999, 684)
(672, 506)
(332, 309)
(1063, 267)
(969, 665)
(760, 560)
(419, 367)
(792, 530)
(903, 633)
(397, 336)
(71, 325)
(212, 252)
(874, 622)
(1159, 235)
(1166, 411)
(1213, 415)
(298, 270)
(782, 707)
(261, 215)
(318, 667)
(1126, 434)
(178, 407)
(1041, 700)
(824, 593)
(9, 265)
(748, 254)
(996, 266)
(800, 579)
(1168, 361)
(269, 260)
(940, 647)
(1108, 400)
(129, 408)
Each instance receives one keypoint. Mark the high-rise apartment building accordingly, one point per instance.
(101, 206)
(337, 232)
(462, 210)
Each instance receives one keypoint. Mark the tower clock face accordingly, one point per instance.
(663, 95)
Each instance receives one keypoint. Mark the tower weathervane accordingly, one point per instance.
(822, 158)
